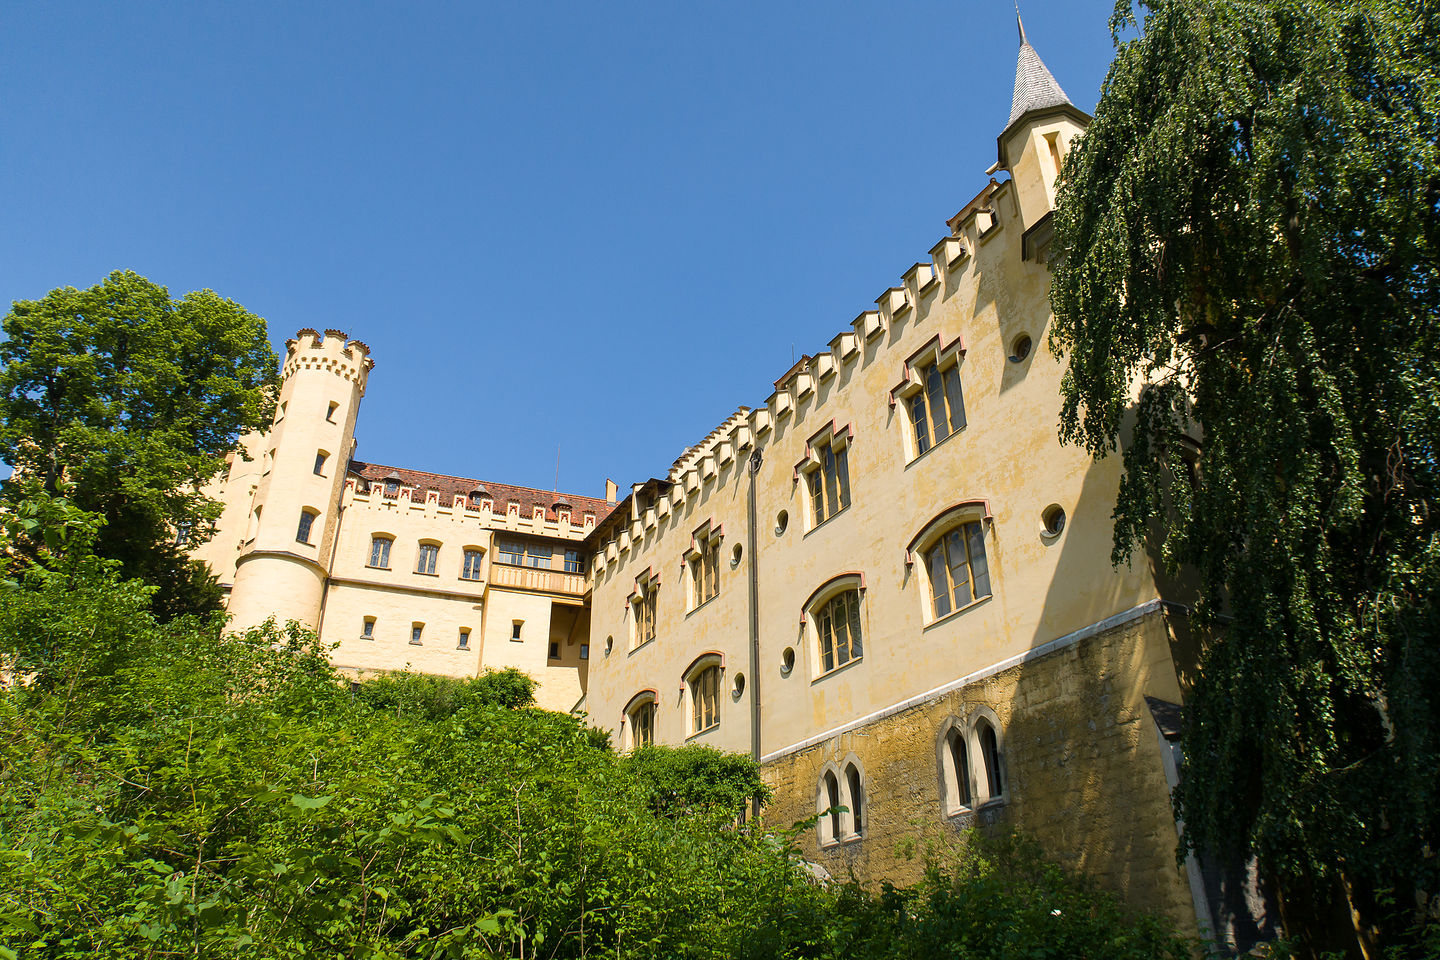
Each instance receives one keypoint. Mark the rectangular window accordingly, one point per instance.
(471, 569)
(538, 555)
(838, 625)
(320, 457)
(380, 552)
(705, 571)
(829, 484)
(416, 629)
(645, 612)
(554, 651)
(464, 643)
(705, 698)
(573, 562)
(307, 520)
(937, 412)
(959, 574)
(515, 629)
(367, 629)
(511, 552)
(330, 413)
(584, 651)
(427, 558)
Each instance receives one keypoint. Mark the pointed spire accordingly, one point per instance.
(1035, 86)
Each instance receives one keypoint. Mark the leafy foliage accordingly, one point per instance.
(134, 399)
(1249, 230)
(681, 780)
(167, 788)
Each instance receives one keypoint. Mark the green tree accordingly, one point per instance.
(134, 400)
(1246, 291)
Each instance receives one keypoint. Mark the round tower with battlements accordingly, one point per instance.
(295, 515)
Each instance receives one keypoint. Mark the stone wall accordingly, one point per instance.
(1080, 757)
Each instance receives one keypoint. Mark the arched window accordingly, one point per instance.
(954, 770)
(380, 551)
(840, 802)
(856, 797)
(951, 548)
(831, 820)
(834, 613)
(427, 557)
(640, 720)
(702, 687)
(990, 756)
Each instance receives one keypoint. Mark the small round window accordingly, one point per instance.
(1052, 521)
(1020, 349)
(735, 556)
(609, 645)
(782, 520)
(739, 686)
(787, 660)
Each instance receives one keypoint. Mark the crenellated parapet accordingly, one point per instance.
(333, 352)
(872, 337)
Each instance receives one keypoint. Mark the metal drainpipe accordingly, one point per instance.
(754, 465)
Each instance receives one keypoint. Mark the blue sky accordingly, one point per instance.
(603, 226)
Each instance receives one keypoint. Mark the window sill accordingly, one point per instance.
(370, 567)
(935, 446)
(832, 516)
(844, 666)
(700, 733)
(417, 643)
(640, 646)
(842, 842)
(700, 606)
(471, 579)
(955, 613)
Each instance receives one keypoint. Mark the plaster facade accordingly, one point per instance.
(892, 550)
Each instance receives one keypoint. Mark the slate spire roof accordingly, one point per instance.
(1035, 86)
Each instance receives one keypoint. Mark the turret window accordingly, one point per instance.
(380, 552)
(330, 412)
(307, 520)
(320, 457)
(427, 558)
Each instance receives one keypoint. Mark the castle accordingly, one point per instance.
(889, 583)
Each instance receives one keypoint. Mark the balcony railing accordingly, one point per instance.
(533, 578)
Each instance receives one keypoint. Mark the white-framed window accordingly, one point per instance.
(959, 574)
(950, 550)
(539, 555)
(380, 552)
(703, 566)
(470, 568)
(827, 479)
(702, 688)
(574, 561)
(640, 717)
(835, 619)
(510, 552)
(643, 606)
(307, 521)
(427, 557)
(937, 408)
(840, 799)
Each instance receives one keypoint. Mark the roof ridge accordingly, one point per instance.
(481, 483)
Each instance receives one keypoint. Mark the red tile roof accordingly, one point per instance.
(501, 493)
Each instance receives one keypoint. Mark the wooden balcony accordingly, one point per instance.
(540, 581)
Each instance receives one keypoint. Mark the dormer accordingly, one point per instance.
(1042, 127)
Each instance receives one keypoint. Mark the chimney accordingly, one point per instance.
(610, 490)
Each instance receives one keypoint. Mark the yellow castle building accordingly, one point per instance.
(889, 583)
